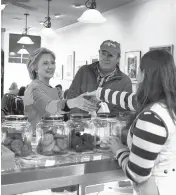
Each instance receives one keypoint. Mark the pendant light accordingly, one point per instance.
(25, 39)
(92, 15)
(47, 23)
(3, 6)
(23, 51)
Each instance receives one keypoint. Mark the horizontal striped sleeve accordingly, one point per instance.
(122, 157)
(107, 91)
(125, 100)
(98, 93)
(121, 151)
(102, 94)
(149, 136)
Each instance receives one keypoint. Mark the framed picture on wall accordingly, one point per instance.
(58, 75)
(69, 66)
(169, 48)
(132, 63)
(94, 59)
(78, 65)
(19, 53)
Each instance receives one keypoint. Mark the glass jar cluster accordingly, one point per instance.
(80, 133)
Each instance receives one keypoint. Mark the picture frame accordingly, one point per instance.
(78, 65)
(58, 75)
(19, 53)
(132, 63)
(169, 48)
(69, 66)
(94, 59)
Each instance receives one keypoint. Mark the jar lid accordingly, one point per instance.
(53, 118)
(80, 116)
(106, 115)
(15, 118)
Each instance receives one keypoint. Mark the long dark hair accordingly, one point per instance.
(159, 82)
(21, 91)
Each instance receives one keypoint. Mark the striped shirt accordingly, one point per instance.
(148, 135)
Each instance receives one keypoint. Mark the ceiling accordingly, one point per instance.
(13, 18)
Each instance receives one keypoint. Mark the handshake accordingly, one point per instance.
(86, 101)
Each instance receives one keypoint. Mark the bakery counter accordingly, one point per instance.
(38, 172)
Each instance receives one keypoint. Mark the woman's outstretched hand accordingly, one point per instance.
(115, 144)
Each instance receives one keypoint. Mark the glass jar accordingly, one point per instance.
(106, 125)
(125, 120)
(17, 134)
(52, 136)
(82, 132)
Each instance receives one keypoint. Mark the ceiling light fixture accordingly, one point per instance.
(47, 31)
(58, 15)
(3, 6)
(47, 22)
(78, 6)
(23, 51)
(25, 39)
(92, 15)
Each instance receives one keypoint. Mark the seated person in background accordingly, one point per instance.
(105, 73)
(13, 89)
(7, 104)
(40, 98)
(149, 160)
(11, 104)
(60, 92)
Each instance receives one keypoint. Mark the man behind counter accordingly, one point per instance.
(105, 73)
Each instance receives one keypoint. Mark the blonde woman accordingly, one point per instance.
(40, 99)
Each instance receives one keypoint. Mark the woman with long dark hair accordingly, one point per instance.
(149, 159)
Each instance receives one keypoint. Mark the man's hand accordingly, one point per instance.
(82, 103)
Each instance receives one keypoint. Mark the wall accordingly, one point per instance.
(137, 26)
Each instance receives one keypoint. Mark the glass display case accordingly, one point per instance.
(17, 134)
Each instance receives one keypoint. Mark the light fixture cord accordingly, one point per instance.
(91, 4)
(48, 8)
(47, 22)
(26, 29)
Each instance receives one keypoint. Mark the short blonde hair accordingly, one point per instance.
(34, 57)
